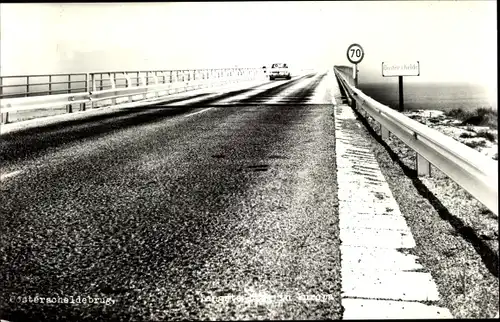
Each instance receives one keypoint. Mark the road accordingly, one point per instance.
(219, 208)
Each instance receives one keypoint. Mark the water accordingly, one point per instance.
(428, 96)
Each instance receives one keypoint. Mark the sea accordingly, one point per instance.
(432, 96)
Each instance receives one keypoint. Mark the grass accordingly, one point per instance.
(487, 135)
(475, 144)
(467, 135)
(483, 134)
(479, 117)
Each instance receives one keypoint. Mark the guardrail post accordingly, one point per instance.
(384, 132)
(27, 86)
(423, 166)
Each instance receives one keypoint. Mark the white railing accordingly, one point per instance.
(147, 87)
(473, 171)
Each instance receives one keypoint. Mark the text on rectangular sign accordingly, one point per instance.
(404, 69)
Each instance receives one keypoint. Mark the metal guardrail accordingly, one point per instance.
(473, 171)
(40, 102)
(112, 85)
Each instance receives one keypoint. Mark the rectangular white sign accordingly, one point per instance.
(401, 69)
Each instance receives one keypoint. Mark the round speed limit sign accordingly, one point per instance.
(355, 53)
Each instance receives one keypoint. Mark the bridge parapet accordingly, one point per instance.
(25, 92)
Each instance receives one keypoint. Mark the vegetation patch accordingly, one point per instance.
(467, 135)
(487, 135)
(475, 144)
(479, 117)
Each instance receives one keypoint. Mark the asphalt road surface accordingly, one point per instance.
(224, 208)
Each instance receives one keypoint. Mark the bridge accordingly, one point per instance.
(218, 194)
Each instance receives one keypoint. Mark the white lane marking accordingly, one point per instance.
(9, 175)
(191, 100)
(379, 280)
(204, 110)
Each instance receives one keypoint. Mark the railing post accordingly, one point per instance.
(113, 86)
(4, 116)
(50, 84)
(128, 80)
(94, 88)
(129, 84)
(94, 83)
(184, 78)
(155, 77)
(27, 86)
(112, 80)
(143, 83)
(423, 166)
(69, 107)
(86, 78)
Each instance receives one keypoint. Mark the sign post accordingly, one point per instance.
(355, 55)
(401, 99)
(400, 70)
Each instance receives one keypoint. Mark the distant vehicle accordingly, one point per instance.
(279, 71)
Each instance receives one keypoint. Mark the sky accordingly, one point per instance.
(453, 40)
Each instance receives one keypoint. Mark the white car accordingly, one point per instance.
(279, 71)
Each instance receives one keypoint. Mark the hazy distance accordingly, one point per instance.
(453, 40)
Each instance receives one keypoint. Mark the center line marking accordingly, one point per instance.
(204, 110)
(10, 174)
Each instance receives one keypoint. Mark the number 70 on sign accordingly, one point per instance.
(355, 53)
